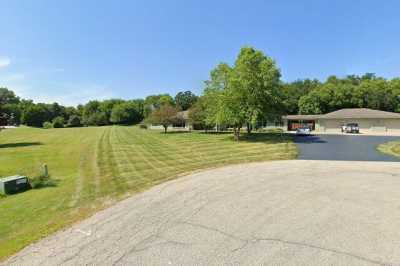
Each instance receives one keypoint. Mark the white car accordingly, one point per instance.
(303, 131)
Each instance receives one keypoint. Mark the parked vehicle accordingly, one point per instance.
(303, 131)
(352, 128)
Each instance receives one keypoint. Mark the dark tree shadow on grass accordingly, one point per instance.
(308, 139)
(216, 132)
(266, 137)
(175, 132)
(19, 144)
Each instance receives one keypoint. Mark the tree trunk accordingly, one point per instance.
(236, 133)
(249, 128)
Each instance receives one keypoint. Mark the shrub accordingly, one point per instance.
(47, 125)
(41, 181)
(58, 122)
(74, 121)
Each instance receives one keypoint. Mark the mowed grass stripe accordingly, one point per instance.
(159, 153)
(96, 166)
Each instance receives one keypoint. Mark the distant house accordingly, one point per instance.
(182, 122)
(367, 119)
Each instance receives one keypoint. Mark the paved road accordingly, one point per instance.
(343, 147)
(275, 213)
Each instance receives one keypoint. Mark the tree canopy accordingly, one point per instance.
(185, 99)
(165, 115)
(367, 91)
(243, 93)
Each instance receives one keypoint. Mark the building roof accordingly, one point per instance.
(360, 113)
(347, 113)
(10, 178)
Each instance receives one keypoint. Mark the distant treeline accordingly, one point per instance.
(15, 111)
(366, 91)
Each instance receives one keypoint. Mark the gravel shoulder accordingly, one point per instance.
(282, 212)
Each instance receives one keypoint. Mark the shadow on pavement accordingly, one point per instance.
(308, 139)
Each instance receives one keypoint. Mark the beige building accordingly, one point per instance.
(368, 120)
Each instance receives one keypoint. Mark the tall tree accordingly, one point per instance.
(214, 88)
(244, 93)
(256, 80)
(185, 99)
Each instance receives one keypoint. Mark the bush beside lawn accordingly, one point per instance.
(94, 167)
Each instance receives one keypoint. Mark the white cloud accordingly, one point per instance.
(4, 61)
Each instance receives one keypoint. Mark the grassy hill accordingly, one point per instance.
(94, 167)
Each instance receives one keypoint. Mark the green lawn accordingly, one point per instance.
(96, 166)
(391, 148)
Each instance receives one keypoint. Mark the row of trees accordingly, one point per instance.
(367, 91)
(14, 110)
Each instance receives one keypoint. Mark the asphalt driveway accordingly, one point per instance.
(274, 213)
(343, 147)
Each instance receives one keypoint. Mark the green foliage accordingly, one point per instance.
(58, 122)
(74, 121)
(214, 88)
(8, 97)
(292, 92)
(35, 115)
(198, 115)
(165, 116)
(244, 93)
(114, 111)
(96, 119)
(125, 113)
(47, 125)
(352, 91)
(185, 99)
(156, 101)
(41, 181)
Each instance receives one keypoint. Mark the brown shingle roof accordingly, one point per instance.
(359, 113)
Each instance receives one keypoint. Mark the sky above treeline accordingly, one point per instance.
(73, 51)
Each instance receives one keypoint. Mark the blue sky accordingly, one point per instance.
(72, 51)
